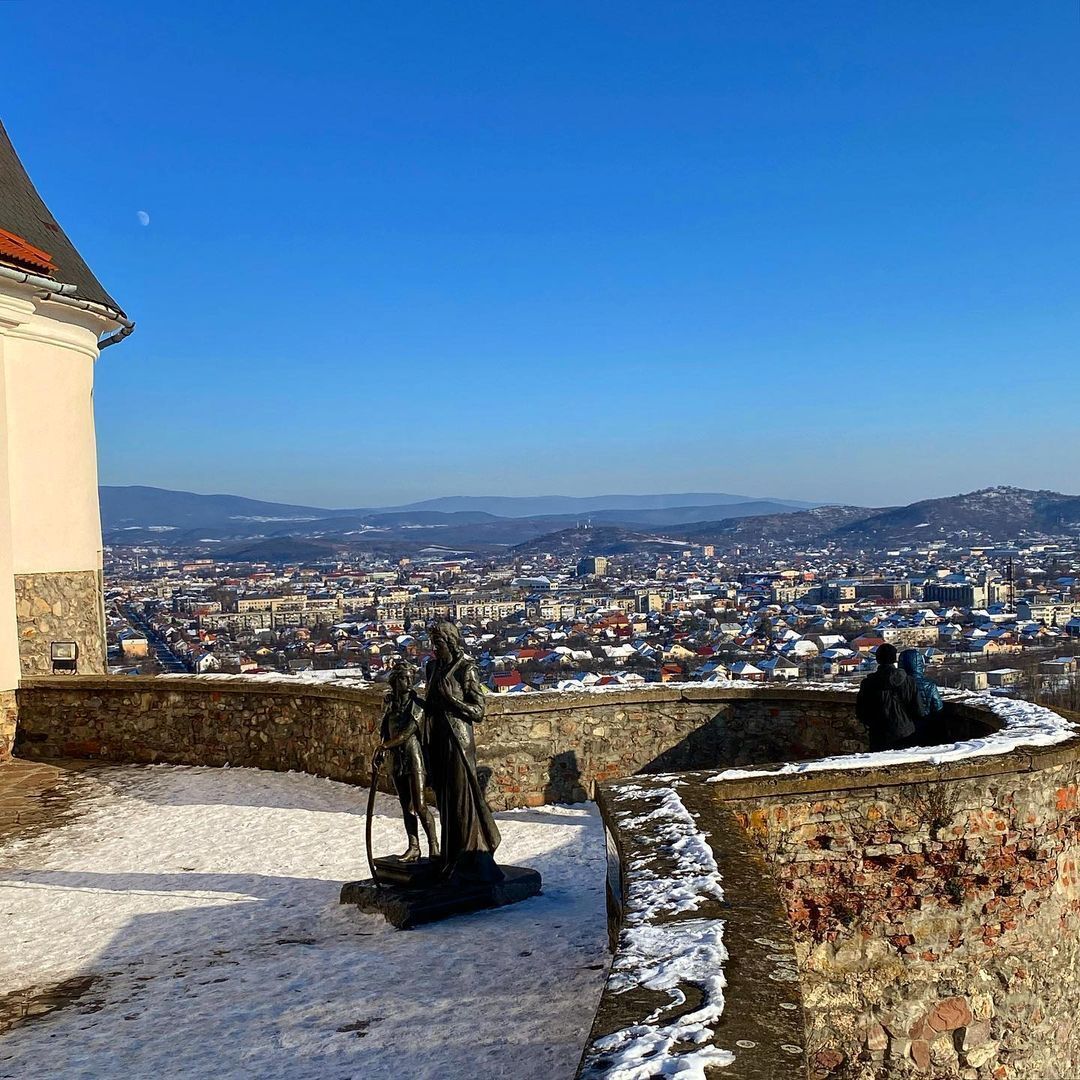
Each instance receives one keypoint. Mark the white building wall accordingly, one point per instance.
(49, 361)
(9, 645)
(54, 524)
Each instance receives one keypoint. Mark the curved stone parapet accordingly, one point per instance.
(532, 748)
(932, 895)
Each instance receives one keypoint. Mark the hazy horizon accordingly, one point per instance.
(767, 497)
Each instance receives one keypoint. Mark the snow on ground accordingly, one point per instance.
(206, 902)
(344, 677)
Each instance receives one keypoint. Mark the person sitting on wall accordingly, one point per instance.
(929, 697)
(888, 704)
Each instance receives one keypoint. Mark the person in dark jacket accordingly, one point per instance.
(930, 704)
(888, 704)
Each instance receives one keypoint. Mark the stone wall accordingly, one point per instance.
(7, 723)
(559, 745)
(327, 732)
(60, 607)
(534, 748)
(936, 913)
(935, 909)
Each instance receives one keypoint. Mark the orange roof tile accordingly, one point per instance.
(14, 249)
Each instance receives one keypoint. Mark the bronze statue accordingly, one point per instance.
(401, 738)
(453, 703)
(437, 730)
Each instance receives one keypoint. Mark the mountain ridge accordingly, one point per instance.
(141, 509)
(988, 515)
(995, 514)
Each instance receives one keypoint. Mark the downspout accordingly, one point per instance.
(106, 312)
(119, 336)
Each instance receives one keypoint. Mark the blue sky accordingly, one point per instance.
(821, 251)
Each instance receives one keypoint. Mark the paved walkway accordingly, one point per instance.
(37, 795)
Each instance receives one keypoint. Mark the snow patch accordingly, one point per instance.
(669, 955)
(1024, 724)
(334, 677)
(205, 902)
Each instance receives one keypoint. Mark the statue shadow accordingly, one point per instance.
(706, 747)
(259, 974)
(564, 779)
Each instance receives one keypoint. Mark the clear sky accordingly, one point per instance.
(815, 250)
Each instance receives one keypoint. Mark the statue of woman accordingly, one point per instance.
(453, 703)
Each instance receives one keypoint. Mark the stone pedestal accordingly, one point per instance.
(418, 897)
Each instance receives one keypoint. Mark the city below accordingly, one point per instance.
(987, 585)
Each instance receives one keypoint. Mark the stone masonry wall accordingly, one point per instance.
(200, 722)
(531, 749)
(60, 607)
(935, 909)
(7, 723)
(937, 921)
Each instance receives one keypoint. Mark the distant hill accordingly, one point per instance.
(801, 527)
(178, 518)
(992, 514)
(281, 549)
(605, 540)
(682, 515)
(579, 506)
(144, 507)
(141, 514)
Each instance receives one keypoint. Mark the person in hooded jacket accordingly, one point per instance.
(888, 704)
(930, 704)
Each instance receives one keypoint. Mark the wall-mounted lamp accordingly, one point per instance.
(65, 657)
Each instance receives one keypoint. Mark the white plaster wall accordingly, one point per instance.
(52, 454)
(9, 641)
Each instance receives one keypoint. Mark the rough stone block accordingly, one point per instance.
(942, 1051)
(950, 1014)
(920, 1054)
(982, 1005)
(979, 1056)
(899, 1049)
(876, 1039)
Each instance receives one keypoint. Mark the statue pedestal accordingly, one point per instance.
(393, 870)
(426, 900)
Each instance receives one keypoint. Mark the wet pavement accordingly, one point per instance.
(37, 795)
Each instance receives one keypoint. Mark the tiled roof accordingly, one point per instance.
(25, 216)
(17, 252)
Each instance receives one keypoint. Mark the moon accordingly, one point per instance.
(143, 216)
